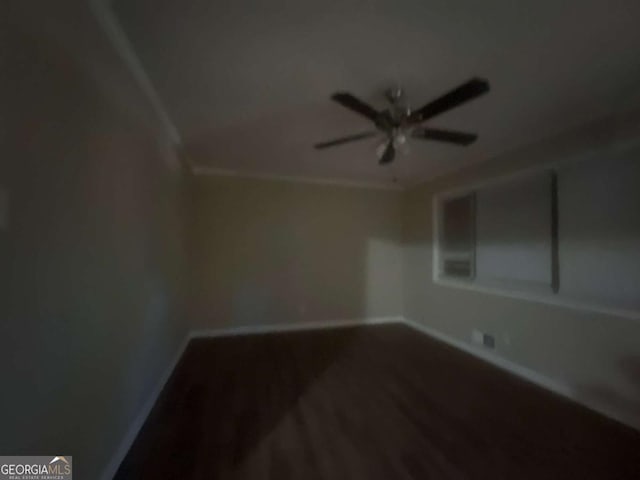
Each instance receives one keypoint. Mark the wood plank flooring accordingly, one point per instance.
(371, 402)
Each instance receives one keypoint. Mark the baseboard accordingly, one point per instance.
(290, 327)
(138, 422)
(525, 373)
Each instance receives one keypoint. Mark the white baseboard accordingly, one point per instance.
(525, 373)
(494, 359)
(290, 327)
(124, 446)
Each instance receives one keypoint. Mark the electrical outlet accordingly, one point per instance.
(484, 339)
(489, 341)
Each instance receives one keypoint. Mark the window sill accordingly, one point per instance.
(547, 298)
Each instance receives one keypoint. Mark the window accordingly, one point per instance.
(515, 233)
(458, 242)
(501, 235)
(567, 234)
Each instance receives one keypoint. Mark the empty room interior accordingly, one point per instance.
(320, 239)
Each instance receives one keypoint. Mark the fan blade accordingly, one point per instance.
(451, 136)
(389, 154)
(350, 138)
(465, 92)
(352, 103)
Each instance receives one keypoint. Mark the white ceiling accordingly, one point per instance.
(247, 83)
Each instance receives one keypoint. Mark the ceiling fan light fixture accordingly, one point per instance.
(399, 121)
(399, 139)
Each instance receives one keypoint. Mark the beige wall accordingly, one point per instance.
(90, 282)
(268, 251)
(596, 356)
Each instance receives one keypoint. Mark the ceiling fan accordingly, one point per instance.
(399, 122)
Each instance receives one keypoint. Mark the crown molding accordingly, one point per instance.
(103, 11)
(222, 172)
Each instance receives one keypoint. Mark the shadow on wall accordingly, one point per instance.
(273, 252)
(383, 275)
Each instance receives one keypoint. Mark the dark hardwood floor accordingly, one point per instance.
(373, 402)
